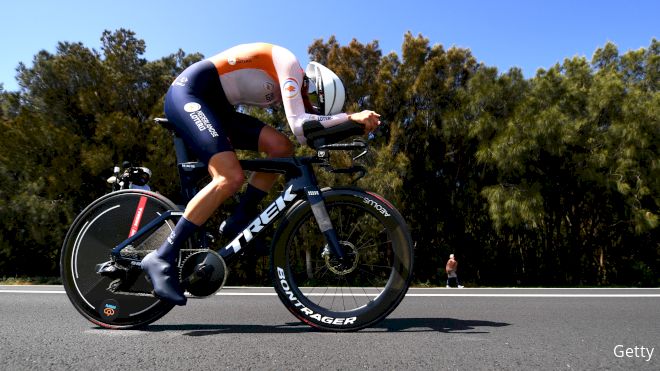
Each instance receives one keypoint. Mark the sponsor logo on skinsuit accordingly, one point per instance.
(290, 88)
(270, 96)
(181, 81)
(240, 60)
(192, 107)
(199, 118)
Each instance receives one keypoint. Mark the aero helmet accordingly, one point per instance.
(326, 90)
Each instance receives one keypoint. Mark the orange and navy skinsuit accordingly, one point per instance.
(201, 100)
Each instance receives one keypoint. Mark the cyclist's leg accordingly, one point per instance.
(187, 106)
(249, 133)
(275, 145)
(202, 116)
(160, 264)
(227, 179)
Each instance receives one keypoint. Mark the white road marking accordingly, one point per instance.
(476, 292)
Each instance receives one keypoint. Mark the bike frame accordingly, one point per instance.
(301, 184)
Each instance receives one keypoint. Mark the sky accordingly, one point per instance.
(528, 34)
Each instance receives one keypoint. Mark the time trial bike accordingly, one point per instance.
(341, 258)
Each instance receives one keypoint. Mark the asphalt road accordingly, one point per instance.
(463, 329)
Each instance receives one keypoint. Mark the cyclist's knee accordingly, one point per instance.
(226, 171)
(274, 143)
(230, 181)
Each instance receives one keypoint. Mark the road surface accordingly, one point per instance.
(248, 328)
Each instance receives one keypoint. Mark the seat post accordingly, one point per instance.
(180, 149)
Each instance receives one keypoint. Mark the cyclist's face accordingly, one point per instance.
(309, 104)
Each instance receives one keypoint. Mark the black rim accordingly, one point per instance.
(368, 286)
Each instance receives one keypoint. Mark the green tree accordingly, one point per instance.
(549, 180)
(78, 112)
(570, 182)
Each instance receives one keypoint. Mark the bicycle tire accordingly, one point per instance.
(351, 297)
(94, 233)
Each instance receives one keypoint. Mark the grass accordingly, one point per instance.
(30, 281)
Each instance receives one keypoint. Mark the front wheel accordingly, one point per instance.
(359, 291)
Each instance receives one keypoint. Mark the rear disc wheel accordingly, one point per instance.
(96, 231)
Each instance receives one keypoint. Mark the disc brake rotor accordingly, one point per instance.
(336, 265)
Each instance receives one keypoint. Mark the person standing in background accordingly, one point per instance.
(450, 268)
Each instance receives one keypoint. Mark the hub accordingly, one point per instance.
(339, 266)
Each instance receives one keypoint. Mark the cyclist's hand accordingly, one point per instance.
(369, 119)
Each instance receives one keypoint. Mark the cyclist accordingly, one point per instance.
(200, 103)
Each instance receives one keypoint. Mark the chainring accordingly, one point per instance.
(203, 273)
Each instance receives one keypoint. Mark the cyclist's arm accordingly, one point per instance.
(290, 78)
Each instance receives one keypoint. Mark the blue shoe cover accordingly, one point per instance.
(164, 278)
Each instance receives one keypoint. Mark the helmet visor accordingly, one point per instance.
(315, 92)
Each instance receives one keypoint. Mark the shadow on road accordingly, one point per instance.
(206, 329)
(446, 325)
